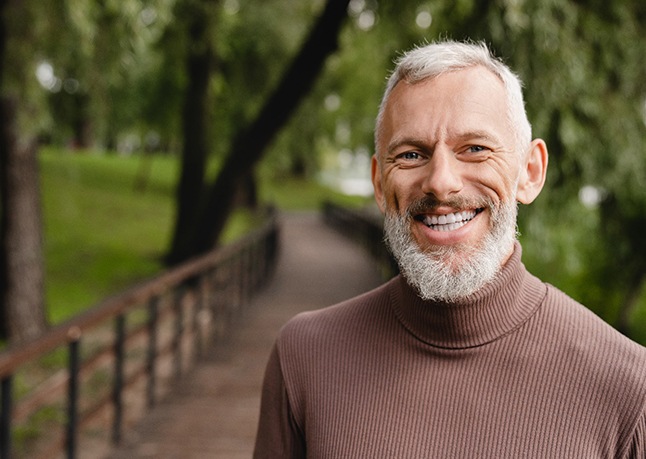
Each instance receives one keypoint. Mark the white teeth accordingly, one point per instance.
(449, 222)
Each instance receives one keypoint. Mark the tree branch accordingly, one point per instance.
(250, 144)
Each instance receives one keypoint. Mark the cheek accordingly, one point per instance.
(500, 181)
(391, 200)
(397, 195)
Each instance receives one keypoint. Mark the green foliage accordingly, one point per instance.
(107, 221)
(582, 63)
(103, 63)
(582, 67)
(26, 31)
(102, 234)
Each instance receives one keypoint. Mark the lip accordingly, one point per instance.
(447, 221)
(447, 227)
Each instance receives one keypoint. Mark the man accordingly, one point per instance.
(466, 354)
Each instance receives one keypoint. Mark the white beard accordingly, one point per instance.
(450, 273)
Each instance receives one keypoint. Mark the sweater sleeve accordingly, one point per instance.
(278, 435)
(637, 446)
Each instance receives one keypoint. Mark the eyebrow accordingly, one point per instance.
(479, 134)
(414, 142)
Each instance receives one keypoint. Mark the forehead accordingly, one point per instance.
(452, 103)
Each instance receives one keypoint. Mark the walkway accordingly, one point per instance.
(214, 411)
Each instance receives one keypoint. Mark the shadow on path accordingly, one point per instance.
(213, 412)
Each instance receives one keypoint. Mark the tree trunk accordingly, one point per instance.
(22, 310)
(195, 130)
(4, 313)
(81, 125)
(251, 143)
(247, 192)
(22, 266)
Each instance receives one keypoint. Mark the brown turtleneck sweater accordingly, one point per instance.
(518, 370)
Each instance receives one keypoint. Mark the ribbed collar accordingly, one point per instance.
(494, 311)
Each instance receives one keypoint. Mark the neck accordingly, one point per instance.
(497, 308)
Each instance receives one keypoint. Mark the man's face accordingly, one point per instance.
(447, 154)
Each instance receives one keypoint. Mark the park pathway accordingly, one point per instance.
(214, 411)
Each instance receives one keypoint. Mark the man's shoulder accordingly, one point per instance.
(586, 333)
(339, 319)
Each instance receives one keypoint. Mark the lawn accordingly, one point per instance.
(108, 221)
(102, 233)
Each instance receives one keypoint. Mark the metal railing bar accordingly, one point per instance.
(54, 386)
(199, 308)
(85, 417)
(151, 357)
(179, 330)
(5, 418)
(182, 307)
(117, 390)
(129, 381)
(72, 401)
(15, 356)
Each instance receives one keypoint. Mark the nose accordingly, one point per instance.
(443, 177)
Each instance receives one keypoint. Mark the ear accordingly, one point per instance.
(532, 177)
(376, 182)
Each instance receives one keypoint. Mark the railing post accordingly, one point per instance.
(244, 277)
(179, 330)
(199, 311)
(219, 302)
(227, 299)
(117, 389)
(151, 368)
(210, 304)
(73, 393)
(243, 274)
(5, 419)
(237, 281)
(223, 290)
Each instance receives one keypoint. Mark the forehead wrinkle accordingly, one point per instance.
(429, 128)
(422, 137)
(479, 135)
(416, 142)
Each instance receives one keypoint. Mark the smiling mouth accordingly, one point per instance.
(448, 222)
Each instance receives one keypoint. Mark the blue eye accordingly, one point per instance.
(477, 149)
(411, 155)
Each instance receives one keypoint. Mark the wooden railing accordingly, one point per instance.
(117, 359)
(364, 227)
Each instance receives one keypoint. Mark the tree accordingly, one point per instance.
(21, 252)
(252, 141)
(198, 17)
(582, 64)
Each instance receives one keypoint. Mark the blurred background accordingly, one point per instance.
(139, 133)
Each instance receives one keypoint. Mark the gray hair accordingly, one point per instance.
(432, 60)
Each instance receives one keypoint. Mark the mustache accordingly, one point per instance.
(428, 204)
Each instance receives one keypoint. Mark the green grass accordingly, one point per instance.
(104, 231)
(101, 232)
